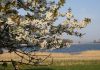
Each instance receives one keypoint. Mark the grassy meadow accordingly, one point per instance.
(89, 60)
(62, 65)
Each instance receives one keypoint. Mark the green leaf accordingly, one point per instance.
(55, 13)
(36, 1)
(62, 2)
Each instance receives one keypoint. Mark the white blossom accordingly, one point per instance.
(42, 9)
(53, 7)
(69, 15)
(43, 44)
(9, 21)
(49, 15)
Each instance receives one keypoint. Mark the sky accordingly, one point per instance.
(82, 9)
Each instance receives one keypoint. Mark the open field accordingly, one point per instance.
(87, 55)
(70, 65)
(88, 60)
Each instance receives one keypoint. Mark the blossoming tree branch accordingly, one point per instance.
(36, 29)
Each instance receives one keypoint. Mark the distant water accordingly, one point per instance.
(77, 48)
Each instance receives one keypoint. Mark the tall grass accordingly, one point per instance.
(62, 65)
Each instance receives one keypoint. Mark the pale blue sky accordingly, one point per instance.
(86, 8)
(82, 9)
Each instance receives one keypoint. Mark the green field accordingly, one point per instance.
(62, 65)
